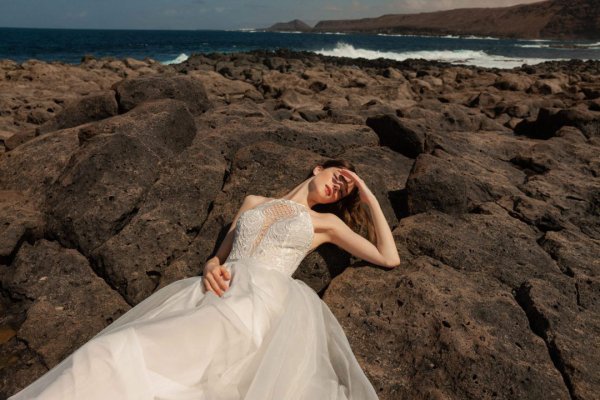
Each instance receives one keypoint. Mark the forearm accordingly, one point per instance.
(385, 240)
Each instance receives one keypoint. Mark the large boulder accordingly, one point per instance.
(453, 185)
(101, 187)
(146, 253)
(425, 330)
(93, 107)
(550, 120)
(132, 92)
(63, 304)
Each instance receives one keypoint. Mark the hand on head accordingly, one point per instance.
(363, 190)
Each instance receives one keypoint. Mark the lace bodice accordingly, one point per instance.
(278, 232)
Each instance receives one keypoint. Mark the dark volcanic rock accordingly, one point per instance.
(89, 108)
(493, 242)
(568, 327)
(143, 255)
(499, 233)
(549, 121)
(20, 220)
(405, 136)
(63, 305)
(101, 187)
(428, 331)
(131, 92)
(453, 185)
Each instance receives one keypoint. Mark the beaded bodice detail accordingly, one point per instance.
(278, 232)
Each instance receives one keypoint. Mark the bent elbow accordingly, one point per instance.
(393, 263)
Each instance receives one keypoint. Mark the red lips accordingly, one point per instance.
(327, 190)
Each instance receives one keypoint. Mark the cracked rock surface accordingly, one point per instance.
(118, 177)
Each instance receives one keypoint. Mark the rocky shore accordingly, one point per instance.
(118, 177)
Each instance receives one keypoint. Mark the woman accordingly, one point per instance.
(246, 329)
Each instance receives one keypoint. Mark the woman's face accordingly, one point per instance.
(329, 185)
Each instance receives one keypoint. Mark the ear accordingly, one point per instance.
(317, 169)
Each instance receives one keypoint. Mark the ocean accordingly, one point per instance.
(172, 46)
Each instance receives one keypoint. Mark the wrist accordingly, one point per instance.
(212, 263)
(369, 198)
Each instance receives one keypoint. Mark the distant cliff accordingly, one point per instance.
(553, 19)
(292, 26)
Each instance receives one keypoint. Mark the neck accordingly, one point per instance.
(300, 194)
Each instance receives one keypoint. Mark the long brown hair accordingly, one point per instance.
(349, 208)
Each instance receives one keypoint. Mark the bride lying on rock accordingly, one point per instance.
(245, 329)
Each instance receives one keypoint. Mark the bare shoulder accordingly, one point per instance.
(252, 200)
(324, 224)
(328, 221)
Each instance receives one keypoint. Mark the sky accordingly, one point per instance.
(210, 14)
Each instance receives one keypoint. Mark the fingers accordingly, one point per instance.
(218, 275)
(352, 175)
(214, 282)
(226, 274)
(207, 285)
(214, 285)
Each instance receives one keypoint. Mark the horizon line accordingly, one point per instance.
(127, 29)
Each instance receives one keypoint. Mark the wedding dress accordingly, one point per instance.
(269, 336)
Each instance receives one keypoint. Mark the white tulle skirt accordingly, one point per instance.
(268, 337)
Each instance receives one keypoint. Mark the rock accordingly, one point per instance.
(132, 92)
(312, 115)
(403, 135)
(547, 86)
(20, 168)
(100, 188)
(20, 220)
(575, 253)
(567, 327)
(427, 330)
(89, 108)
(513, 82)
(491, 242)
(453, 185)
(551, 120)
(17, 139)
(293, 99)
(223, 90)
(138, 259)
(64, 304)
(134, 64)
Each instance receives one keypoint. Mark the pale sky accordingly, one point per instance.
(209, 14)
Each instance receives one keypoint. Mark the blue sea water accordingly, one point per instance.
(171, 46)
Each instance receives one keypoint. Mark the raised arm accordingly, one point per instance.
(385, 253)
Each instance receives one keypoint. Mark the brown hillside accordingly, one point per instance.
(560, 19)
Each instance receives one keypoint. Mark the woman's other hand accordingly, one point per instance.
(216, 277)
(365, 194)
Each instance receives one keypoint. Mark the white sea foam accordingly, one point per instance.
(443, 37)
(533, 46)
(562, 45)
(534, 40)
(481, 37)
(179, 59)
(468, 57)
